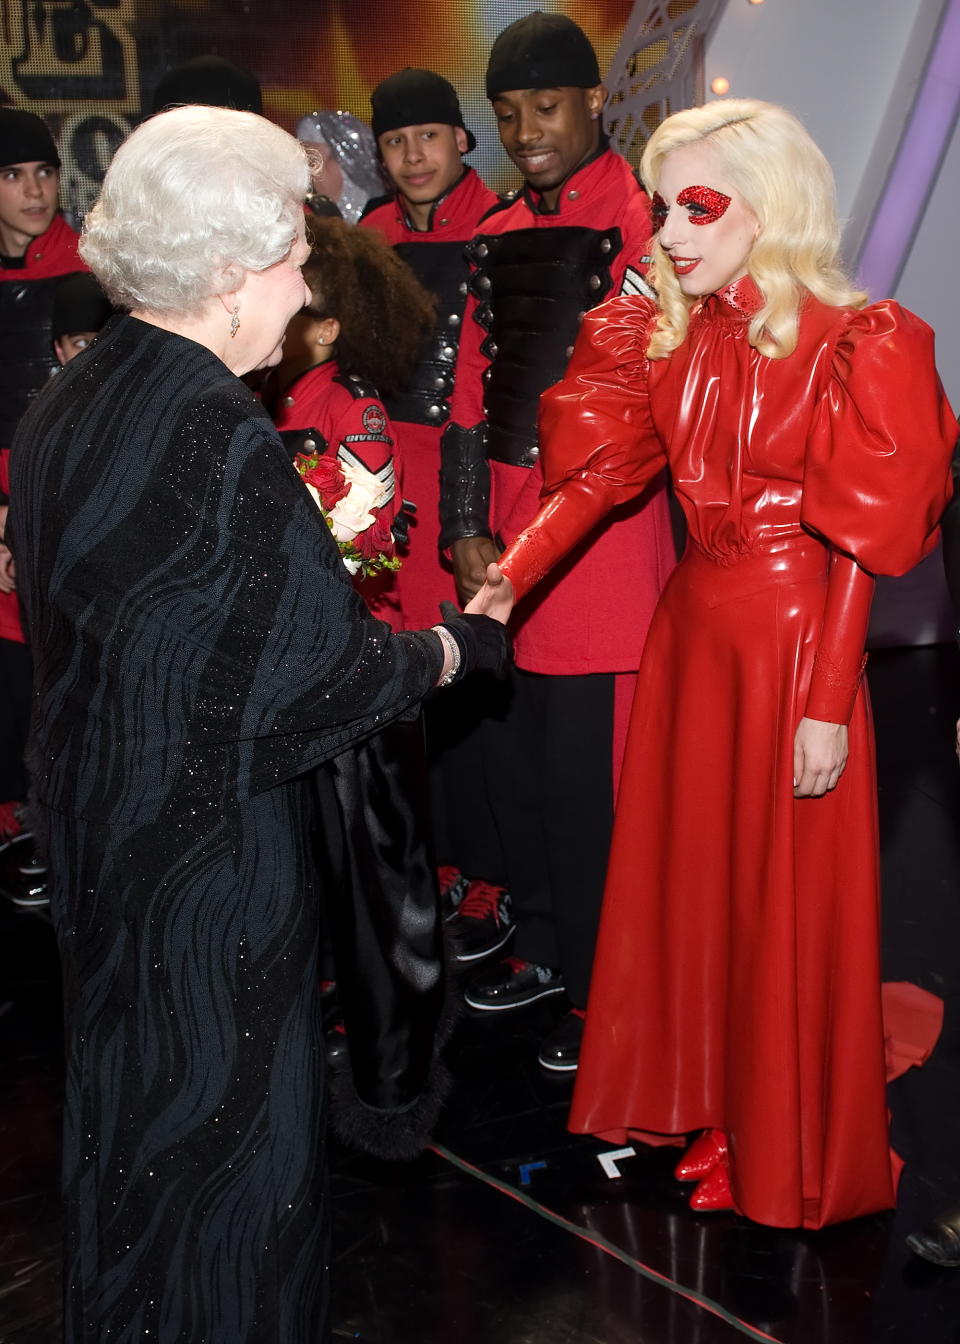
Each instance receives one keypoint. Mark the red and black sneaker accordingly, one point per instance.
(512, 984)
(335, 1043)
(560, 1050)
(453, 887)
(11, 820)
(483, 922)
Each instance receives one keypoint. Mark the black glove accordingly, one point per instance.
(400, 527)
(485, 644)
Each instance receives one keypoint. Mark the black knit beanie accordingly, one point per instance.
(415, 97)
(542, 51)
(210, 81)
(24, 138)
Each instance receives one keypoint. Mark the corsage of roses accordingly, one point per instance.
(346, 496)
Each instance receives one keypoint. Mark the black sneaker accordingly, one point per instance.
(335, 1044)
(482, 923)
(560, 1051)
(453, 887)
(512, 984)
(32, 864)
(939, 1241)
(34, 897)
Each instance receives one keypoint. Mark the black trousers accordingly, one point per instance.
(16, 673)
(548, 759)
(464, 828)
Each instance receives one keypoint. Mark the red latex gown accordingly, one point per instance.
(737, 979)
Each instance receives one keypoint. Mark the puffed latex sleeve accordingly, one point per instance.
(598, 444)
(839, 661)
(877, 471)
(876, 480)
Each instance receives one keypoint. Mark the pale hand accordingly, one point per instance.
(819, 757)
(495, 598)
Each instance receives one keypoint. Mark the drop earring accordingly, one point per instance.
(235, 320)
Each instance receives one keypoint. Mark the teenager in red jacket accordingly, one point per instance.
(36, 247)
(435, 210)
(576, 234)
(361, 334)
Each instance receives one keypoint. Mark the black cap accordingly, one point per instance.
(79, 304)
(24, 138)
(415, 97)
(209, 81)
(542, 51)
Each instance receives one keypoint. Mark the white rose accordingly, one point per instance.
(352, 515)
(352, 566)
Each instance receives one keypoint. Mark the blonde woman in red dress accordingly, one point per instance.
(737, 984)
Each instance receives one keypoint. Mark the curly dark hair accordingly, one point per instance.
(385, 314)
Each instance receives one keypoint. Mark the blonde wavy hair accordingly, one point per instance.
(785, 180)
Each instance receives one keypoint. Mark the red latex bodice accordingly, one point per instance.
(848, 439)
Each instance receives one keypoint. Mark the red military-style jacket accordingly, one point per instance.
(351, 420)
(436, 256)
(26, 350)
(535, 273)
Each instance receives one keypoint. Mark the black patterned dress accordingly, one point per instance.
(198, 647)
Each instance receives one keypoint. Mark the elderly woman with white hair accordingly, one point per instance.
(198, 647)
(736, 988)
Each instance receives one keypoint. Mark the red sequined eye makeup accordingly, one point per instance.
(712, 203)
(658, 211)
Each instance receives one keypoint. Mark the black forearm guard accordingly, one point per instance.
(464, 484)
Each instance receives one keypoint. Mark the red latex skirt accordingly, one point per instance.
(737, 980)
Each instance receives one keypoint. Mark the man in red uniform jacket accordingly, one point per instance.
(36, 246)
(575, 235)
(436, 209)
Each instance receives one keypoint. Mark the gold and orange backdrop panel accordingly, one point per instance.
(89, 67)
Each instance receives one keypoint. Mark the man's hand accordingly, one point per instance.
(495, 598)
(471, 556)
(819, 757)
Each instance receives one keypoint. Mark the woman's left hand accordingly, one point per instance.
(819, 756)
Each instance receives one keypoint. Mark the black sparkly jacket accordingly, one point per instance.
(197, 640)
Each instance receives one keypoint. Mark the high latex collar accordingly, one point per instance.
(742, 297)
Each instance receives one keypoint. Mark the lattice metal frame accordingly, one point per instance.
(657, 69)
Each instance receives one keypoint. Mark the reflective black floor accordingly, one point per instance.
(444, 1252)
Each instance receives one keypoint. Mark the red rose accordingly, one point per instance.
(375, 539)
(325, 476)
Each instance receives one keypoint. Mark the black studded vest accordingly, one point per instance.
(26, 349)
(534, 286)
(442, 269)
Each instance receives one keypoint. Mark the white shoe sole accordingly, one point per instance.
(505, 1007)
(466, 957)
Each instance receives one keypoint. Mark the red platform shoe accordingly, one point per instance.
(702, 1156)
(713, 1194)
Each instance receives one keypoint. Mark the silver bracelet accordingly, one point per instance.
(453, 648)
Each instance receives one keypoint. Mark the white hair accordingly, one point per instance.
(193, 198)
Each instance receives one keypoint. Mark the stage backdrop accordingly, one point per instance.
(90, 66)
